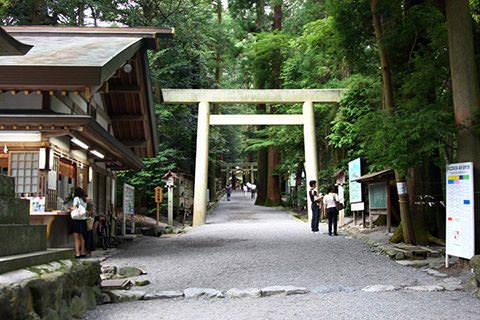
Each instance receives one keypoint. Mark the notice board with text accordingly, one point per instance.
(460, 235)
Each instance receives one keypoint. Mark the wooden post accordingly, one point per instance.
(389, 208)
(158, 200)
(170, 206)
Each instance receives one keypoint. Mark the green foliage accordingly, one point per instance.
(148, 178)
(317, 61)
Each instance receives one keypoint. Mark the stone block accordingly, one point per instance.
(17, 239)
(78, 307)
(14, 262)
(163, 295)
(244, 293)
(88, 297)
(380, 288)
(126, 295)
(202, 292)
(273, 290)
(47, 292)
(430, 288)
(14, 211)
(130, 272)
(7, 186)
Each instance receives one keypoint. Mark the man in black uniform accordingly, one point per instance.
(316, 200)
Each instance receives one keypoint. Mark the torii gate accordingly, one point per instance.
(249, 96)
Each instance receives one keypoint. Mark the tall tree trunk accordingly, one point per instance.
(37, 12)
(212, 179)
(466, 94)
(388, 104)
(262, 154)
(81, 14)
(273, 189)
(260, 15)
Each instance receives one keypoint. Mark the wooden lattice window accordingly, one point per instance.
(24, 168)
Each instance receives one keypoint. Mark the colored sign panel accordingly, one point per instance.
(460, 210)
(128, 199)
(354, 172)
(37, 204)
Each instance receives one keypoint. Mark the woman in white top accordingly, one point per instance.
(330, 203)
(79, 225)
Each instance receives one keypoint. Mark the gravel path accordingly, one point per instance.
(245, 246)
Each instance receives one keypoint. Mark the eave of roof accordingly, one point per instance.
(376, 176)
(11, 47)
(81, 126)
(73, 57)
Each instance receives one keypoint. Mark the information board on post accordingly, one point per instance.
(128, 205)
(354, 172)
(460, 236)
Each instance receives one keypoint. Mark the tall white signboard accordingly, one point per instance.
(354, 172)
(460, 211)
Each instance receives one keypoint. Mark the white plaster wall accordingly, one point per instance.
(79, 101)
(102, 121)
(58, 106)
(61, 142)
(79, 154)
(20, 101)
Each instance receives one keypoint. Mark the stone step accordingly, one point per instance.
(7, 186)
(21, 238)
(14, 211)
(18, 261)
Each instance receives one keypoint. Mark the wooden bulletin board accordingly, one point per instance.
(377, 195)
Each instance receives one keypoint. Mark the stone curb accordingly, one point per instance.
(449, 284)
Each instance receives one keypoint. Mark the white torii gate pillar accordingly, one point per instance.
(201, 165)
(310, 144)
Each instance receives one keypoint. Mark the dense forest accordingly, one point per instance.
(410, 67)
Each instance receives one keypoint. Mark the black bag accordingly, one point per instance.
(339, 205)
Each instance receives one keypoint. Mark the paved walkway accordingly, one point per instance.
(245, 246)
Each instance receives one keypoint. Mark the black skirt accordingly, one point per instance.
(79, 226)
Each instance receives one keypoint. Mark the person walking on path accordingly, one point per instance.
(330, 202)
(79, 225)
(316, 203)
(253, 189)
(229, 192)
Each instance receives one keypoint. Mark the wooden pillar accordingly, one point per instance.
(201, 165)
(310, 145)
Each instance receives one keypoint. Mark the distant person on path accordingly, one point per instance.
(253, 188)
(330, 202)
(245, 190)
(316, 204)
(229, 192)
(79, 226)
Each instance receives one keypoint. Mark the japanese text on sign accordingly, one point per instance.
(460, 210)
